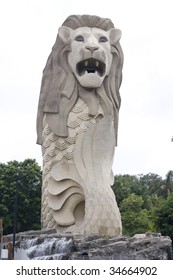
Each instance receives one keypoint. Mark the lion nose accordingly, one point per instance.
(92, 49)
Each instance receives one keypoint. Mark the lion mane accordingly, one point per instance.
(60, 89)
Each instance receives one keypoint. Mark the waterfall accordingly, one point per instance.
(50, 248)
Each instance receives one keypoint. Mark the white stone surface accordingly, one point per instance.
(77, 126)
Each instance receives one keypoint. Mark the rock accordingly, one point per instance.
(47, 245)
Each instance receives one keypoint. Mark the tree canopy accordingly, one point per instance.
(20, 184)
(145, 202)
(164, 221)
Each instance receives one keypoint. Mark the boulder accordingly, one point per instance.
(46, 244)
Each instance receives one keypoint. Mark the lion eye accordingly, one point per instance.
(103, 39)
(79, 38)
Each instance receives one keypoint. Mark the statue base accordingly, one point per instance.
(47, 245)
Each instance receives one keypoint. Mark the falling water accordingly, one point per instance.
(50, 248)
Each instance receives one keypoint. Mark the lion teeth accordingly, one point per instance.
(97, 63)
(86, 62)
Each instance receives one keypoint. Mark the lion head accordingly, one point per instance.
(86, 55)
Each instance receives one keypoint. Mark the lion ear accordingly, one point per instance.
(64, 33)
(114, 35)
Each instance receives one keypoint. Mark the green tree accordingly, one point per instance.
(167, 186)
(20, 182)
(164, 214)
(152, 183)
(124, 185)
(141, 199)
(135, 219)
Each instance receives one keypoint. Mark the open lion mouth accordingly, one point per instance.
(91, 65)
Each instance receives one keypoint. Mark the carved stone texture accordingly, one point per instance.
(77, 126)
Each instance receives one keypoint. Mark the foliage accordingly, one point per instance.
(20, 182)
(164, 213)
(141, 199)
(134, 218)
(152, 182)
(168, 186)
(124, 185)
(144, 185)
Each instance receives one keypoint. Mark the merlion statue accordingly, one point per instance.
(77, 126)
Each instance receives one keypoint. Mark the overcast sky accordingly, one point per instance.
(28, 30)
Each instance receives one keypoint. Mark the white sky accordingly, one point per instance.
(28, 30)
